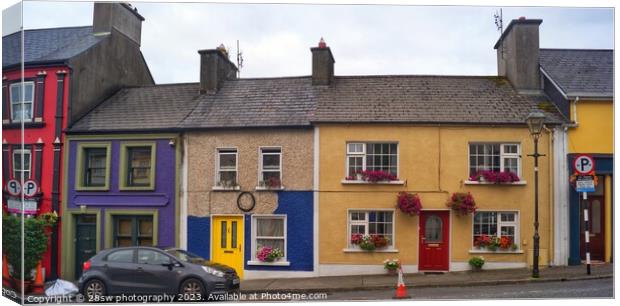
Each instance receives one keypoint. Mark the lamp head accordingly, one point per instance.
(535, 121)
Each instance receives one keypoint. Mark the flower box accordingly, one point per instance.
(372, 176)
(370, 242)
(493, 177)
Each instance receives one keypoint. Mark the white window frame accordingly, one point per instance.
(218, 169)
(253, 260)
(500, 223)
(366, 223)
(502, 154)
(363, 154)
(22, 93)
(29, 159)
(260, 163)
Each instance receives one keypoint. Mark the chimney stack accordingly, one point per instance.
(121, 16)
(215, 68)
(322, 64)
(518, 55)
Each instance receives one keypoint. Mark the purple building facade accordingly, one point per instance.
(121, 190)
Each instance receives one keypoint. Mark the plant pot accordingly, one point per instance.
(392, 271)
(476, 269)
(359, 177)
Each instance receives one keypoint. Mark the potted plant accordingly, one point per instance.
(374, 176)
(391, 266)
(370, 242)
(271, 183)
(476, 263)
(495, 177)
(409, 203)
(462, 203)
(269, 254)
(231, 184)
(35, 244)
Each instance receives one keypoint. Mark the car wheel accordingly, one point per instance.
(93, 289)
(192, 289)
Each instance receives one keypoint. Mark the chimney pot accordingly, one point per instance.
(522, 18)
(322, 43)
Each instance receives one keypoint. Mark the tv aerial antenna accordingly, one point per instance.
(239, 60)
(499, 23)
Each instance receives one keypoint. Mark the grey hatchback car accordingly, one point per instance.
(151, 270)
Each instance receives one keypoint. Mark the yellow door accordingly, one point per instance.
(227, 242)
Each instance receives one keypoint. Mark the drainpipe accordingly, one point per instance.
(575, 122)
(550, 158)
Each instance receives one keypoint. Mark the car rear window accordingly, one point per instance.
(121, 256)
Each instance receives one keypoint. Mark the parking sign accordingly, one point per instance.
(583, 164)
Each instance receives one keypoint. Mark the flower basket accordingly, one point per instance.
(391, 266)
(268, 254)
(503, 177)
(462, 203)
(494, 243)
(409, 203)
(377, 176)
(369, 242)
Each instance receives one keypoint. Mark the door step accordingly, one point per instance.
(434, 272)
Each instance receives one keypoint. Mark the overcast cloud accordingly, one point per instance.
(275, 39)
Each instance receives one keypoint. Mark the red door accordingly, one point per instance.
(596, 222)
(434, 241)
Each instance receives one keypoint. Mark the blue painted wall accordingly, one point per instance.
(603, 165)
(298, 207)
(199, 236)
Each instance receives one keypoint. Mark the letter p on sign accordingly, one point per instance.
(584, 164)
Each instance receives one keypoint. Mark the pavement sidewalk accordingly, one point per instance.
(466, 278)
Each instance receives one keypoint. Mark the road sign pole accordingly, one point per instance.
(586, 232)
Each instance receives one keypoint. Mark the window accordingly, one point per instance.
(372, 156)
(18, 167)
(137, 169)
(500, 224)
(372, 223)
(226, 167)
(139, 166)
(17, 108)
(269, 231)
(494, 157)
(133, 231)
(122, 256)
(270, 167)
(151, 257)
(95, 167)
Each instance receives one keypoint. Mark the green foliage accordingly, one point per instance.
(35, 243)
(476, 262)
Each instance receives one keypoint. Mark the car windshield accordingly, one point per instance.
(184, 255)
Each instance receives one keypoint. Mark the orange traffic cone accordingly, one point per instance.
(38, 285)
(6, 277)
(401, 290)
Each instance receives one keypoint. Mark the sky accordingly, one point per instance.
(275, 39)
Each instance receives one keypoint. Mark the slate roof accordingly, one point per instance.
(47, 45)
(295, 102)
(152, 107)
(266, 102)
(585, 73)
(428, 99)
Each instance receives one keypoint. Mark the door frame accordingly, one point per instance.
(449, 237)
(69, 235)
(602, 223)
(212, 248)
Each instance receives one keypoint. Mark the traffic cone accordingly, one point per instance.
(38, 285)
(6, 277)
(401, 290)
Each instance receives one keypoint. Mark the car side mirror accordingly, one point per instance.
(171, 265)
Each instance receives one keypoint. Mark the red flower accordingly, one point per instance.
(409, 203)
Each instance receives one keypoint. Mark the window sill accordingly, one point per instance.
(17, 125)
(388, 250)
(356, 182)
(519, 183)
(494, 252)
(221, 188)
(280, 263)
(83, 188)
(141, 188)
(260, 188)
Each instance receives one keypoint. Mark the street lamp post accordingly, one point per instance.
(535, 122)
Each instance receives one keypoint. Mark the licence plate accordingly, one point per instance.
(235, 281)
